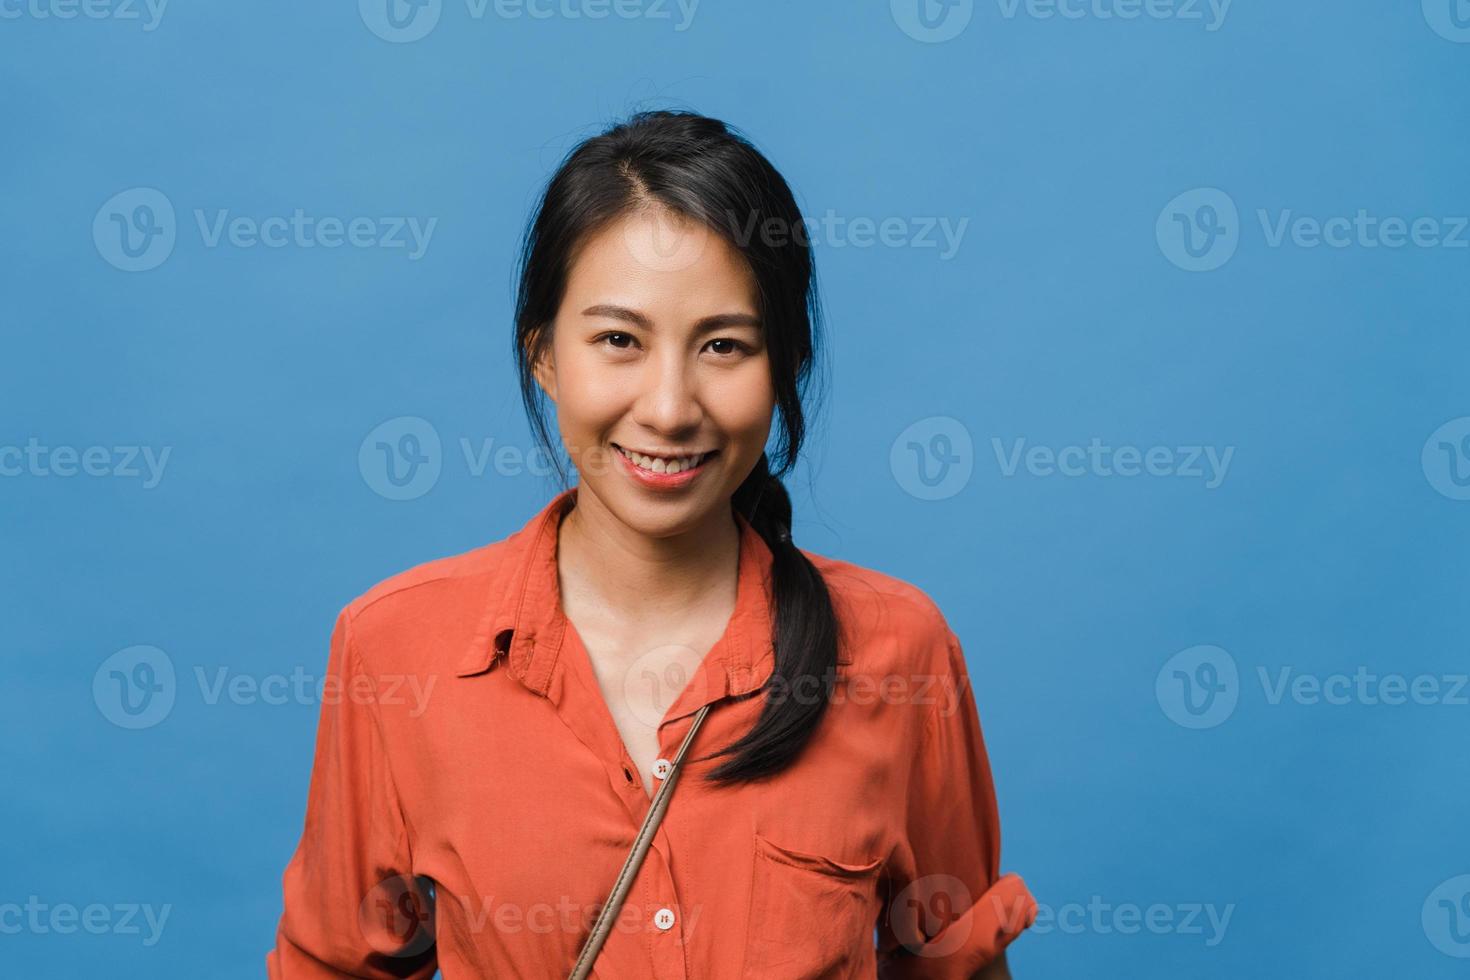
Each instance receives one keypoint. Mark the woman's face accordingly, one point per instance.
(657, 348)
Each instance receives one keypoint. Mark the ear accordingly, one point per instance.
(544, 369)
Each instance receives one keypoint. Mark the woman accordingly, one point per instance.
(834, 815)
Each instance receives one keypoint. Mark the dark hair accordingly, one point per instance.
(701, 169)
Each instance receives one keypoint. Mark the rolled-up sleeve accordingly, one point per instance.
(950, 911)
(351, 904)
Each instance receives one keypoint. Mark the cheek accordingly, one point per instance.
(589, 398)
(743, 404)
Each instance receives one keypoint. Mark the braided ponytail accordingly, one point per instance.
(804, 636)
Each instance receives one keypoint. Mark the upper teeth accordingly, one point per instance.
(658, 464)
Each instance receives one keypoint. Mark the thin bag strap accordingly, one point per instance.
(651, 820)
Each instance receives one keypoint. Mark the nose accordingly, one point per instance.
(668, 400)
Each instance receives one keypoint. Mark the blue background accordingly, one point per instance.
(1330, 545)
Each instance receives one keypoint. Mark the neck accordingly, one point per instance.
(645, 578)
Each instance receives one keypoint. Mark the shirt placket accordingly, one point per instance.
(662, 930)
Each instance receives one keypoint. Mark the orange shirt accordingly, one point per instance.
(472, 802)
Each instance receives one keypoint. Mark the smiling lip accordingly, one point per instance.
(664, 481)
(682, 454)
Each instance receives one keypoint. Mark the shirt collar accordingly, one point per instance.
(524, 623)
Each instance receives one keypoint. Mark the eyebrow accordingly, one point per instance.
(717, 321)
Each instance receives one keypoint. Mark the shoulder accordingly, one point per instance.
(435, 605)
(425, 582)
(888, 622)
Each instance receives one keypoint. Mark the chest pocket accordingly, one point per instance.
(810, 916)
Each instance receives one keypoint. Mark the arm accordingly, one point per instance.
(352, 907)
(951, 913)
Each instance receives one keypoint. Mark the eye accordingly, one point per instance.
(739, 348)
(609, 336)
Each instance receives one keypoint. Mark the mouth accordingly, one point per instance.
(670, 464)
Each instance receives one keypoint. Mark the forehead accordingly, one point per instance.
(664, 264)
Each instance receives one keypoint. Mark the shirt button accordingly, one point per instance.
(662, 767)
(664, 918)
